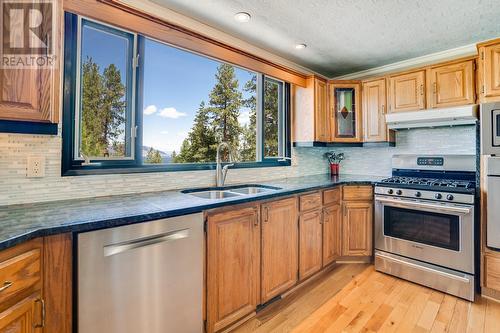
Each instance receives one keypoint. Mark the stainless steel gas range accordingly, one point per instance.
(424, 222)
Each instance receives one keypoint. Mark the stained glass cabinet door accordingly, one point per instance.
(346, 109)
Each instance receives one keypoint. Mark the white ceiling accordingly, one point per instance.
(346, 36)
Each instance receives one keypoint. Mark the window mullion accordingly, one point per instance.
(260, 119)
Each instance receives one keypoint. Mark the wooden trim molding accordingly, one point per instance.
(126, 17)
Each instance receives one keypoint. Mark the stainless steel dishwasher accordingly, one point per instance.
(142, 278)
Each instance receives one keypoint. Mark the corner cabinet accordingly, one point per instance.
(322, 116)
(233, 272)
(345, 104)
(489, 71)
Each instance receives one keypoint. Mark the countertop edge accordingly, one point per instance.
(128, 220)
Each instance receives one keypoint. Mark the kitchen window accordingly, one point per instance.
(134, 104)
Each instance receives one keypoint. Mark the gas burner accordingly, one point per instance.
(434, 183)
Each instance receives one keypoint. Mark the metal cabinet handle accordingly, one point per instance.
(383, 109)
(266, 214)
(434, 87)
(422, 89)
(42, 302)
(113, 249)
(411, 204)
(6, 285)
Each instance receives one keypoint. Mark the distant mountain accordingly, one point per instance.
(166, 156)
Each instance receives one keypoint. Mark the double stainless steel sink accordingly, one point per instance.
(230, 191)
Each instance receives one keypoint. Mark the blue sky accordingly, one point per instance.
(175, 83)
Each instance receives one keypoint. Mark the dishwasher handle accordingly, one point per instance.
(112, 249)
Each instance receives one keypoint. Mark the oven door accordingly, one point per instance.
(441, 234)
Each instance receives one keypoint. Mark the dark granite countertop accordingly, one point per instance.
(19, 223)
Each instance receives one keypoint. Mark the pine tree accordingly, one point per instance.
(202, 137)
(185, 154)
(271, 106)
(249, 132)
(153, 156)
(224, 104)
(103, 111)
(91, 126)
(113, 110)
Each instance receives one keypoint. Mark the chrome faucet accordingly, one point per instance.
(221, 171)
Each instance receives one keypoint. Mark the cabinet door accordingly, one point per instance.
(21, 317)
(332, 234)
(310, 243)
(452, 84)
(322, 117)
(374, 101)
(491, 71)
(279, 247)
(357, 229)
(407, 92)
(233, 245)
(346, 108)
(33, 94)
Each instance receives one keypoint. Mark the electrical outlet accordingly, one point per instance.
(35, 167)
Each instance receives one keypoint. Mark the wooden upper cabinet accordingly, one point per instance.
(407, 91)
(233, 254)
(279, 257)
(322, 116)
(310, 243)
(33, 94)
(374, 109)
(345, 103)
(332, 233)
(452, 85)
(357, 228)
(489, 71)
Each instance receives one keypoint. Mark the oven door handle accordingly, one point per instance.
(412, 204)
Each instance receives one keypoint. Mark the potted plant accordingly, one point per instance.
(334, 159)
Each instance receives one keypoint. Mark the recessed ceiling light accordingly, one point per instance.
(300, 46)
(242, 17)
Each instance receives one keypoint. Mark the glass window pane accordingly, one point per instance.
(273, 110)
(191, 103)
(345, 112)
(104, 117)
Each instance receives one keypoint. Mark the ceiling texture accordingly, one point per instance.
(347, 36)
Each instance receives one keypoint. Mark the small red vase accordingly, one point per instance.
(334, 169)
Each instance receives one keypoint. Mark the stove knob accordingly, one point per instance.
(418, 194)
(438, 196)
(390, 191)
(399, 192)
(449, 197)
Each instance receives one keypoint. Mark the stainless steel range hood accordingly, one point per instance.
(461, 115)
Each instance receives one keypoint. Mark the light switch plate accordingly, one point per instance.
(35, 167)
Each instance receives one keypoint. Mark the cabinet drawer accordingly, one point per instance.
(310, 201)
(357, 193)
(19, 273)
(492, 272)
(331, 196)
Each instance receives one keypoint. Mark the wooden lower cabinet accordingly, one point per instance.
(233, 253)
(23, 317)
(492, 271)
(279, 260)
(357, 228)
(310, 243)
(332, 233)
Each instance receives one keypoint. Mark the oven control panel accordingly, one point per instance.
(430, 161)
(428, 195)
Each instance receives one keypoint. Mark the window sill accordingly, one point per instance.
(110, 170)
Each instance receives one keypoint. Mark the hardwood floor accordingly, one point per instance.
(356, 298)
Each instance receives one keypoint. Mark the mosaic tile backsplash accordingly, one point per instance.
(16, 188)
